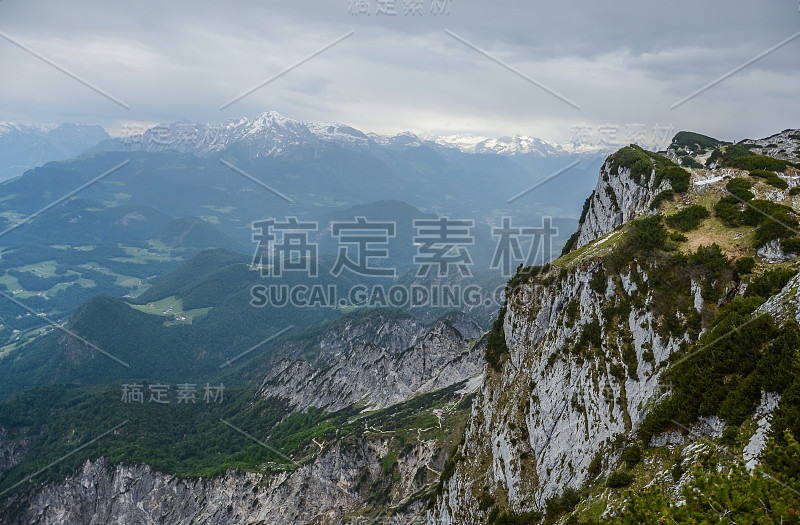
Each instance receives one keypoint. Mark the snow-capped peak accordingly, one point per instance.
(519, 144)
(267, 134)
(271, 133)
(7, 126)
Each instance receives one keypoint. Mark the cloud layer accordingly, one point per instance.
(623, 62)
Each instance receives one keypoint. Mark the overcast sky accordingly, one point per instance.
(622, 62)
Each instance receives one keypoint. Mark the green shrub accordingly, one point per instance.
(619, 479)
(389, 462)
(598, 282)
(769, 283)
(634, 158)
(666, 195)
(694, 141)
(723, 156)
(728, 209)
(591, 337)
(757, 162)
(762, 496)
(715, 156)
(745, 265)
(570, 244)
(596, 465)
(642, 163)
(496, 348)
(729, 436)
(647, 234)
(741, 188)
(678, 178)
(794, 191)
(761, 210)
(787, 416)
(727, 376)
(574, 237)
(486, 501)
(711, 259)
(678, 237)
(742, 398)
(773, 220)
(770, 178)
(791, 245)
(688, 218)
(736, 151)
(585, 208)
(689, 162)
(702, 384)
(496, 517)
(632, 456)
(677, 471)
(560, 505)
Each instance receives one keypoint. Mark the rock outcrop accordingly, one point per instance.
(617, 199)
(379, 362)
(538, 423)
(334, 485)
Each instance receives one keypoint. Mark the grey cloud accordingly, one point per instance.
(622, 61)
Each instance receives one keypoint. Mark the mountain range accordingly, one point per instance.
(648, 374)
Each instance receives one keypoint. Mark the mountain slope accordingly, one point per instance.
(305, 465)
(621, 346)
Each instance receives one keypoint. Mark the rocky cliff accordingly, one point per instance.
(379, 362)
(622, 193)
(402, 390)
(571, 384)
(324, 491)
(582, 350)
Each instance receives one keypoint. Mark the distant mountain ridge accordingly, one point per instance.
(271, 133)
(25, 146)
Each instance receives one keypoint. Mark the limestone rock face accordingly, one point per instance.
(380, 366)
(551, 408)
(537, 424)
(319, 492)
(617, 199)
(379, 360)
